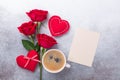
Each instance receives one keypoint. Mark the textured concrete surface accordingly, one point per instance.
(106, 66)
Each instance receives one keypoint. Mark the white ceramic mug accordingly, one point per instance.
(65, 64)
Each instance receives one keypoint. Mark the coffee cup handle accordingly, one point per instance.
(67, 65)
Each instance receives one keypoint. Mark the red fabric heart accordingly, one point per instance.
(57, 26)
(32, 56)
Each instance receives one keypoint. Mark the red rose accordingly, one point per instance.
(28, 28)
(37, 15)
(45, 40)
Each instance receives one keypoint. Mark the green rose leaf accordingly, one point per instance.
(37, 47)
(28, 45)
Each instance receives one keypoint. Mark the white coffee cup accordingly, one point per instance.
(65, 64)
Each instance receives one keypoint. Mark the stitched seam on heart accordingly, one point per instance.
(60, 22)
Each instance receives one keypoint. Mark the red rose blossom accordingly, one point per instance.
(45, 40)
(28, 28)
(37, 15)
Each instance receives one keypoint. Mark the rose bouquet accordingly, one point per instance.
(37, 43)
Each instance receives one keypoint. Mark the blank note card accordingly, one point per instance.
(83, 47)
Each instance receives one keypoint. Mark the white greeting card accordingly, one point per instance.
(83, 47)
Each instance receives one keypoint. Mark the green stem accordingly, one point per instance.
(41, 64)
(42, 51)
(38, 27)
(41, 72)
(31, 39)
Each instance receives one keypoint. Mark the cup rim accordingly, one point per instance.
(56, 70)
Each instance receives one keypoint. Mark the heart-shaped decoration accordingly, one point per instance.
(58, 26)
(28, 62)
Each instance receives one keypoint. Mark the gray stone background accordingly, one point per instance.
(106, 65)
